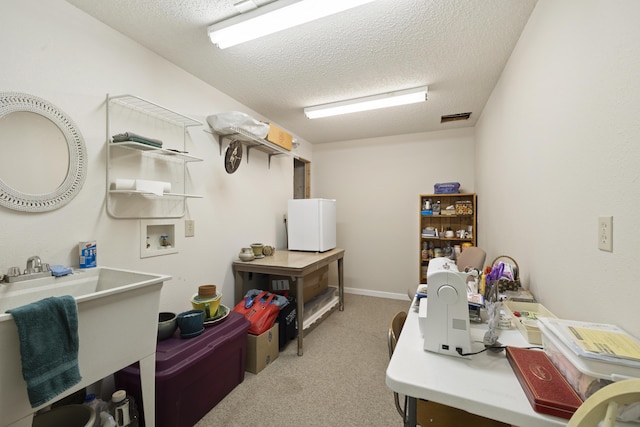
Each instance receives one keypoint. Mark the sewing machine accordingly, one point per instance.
(444, 314)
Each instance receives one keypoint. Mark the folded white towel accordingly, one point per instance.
(150, 186)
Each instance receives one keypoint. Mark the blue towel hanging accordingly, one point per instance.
(48, 333)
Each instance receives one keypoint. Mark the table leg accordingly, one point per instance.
(300, 312)
(239, 287)
(341, 284)
(411, 410)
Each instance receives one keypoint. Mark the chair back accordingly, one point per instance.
(395, 327)
(472, 256)
(603, 405)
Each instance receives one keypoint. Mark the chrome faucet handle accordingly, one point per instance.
(34, 265)
(13, 272)
(34, 259)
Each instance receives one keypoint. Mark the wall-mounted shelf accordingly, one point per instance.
(251, 141)
(131, 145)
(145, 193)
(152, 109)
(129, 113)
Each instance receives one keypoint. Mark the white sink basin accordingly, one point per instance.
(117, 326)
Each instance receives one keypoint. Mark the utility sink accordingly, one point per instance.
(117, 326)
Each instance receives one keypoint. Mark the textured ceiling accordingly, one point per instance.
(456, 47)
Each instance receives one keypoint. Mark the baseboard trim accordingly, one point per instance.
(377, 294)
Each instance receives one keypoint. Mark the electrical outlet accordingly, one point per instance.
(605, 233)
(189, 228)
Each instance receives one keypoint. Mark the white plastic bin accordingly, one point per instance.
(585, 375)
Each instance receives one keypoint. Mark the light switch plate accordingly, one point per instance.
(189, 228)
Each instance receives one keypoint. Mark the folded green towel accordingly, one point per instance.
(130, 136)
(48, 333)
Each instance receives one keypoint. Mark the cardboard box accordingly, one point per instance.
(464, 207)
(279, 137)
(530, 330)
(315, 283)
(87, 252)
(262, 349)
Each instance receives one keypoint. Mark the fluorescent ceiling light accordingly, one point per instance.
(390, 99)
(274, 17)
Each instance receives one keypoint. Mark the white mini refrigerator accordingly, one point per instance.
(311, 224)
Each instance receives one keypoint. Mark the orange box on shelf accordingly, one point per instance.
(279, 137)
(464, 207)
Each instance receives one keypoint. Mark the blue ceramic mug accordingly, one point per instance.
(191, 323)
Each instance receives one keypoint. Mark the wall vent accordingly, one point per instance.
(454, 117)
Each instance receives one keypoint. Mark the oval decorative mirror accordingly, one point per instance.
(46, 158)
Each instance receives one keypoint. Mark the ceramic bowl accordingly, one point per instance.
(207, 291)
(209, 305)
(257, 249)
(167, 325)
(191, 323)
(246, 254)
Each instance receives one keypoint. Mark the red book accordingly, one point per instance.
(547, 390)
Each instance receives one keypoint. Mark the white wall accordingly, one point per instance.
(52, 50)
(557, 147)
(377, 183)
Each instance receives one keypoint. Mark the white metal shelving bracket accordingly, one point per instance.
(251, 141)
(155, 111)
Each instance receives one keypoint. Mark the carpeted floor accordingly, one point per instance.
(339, 381)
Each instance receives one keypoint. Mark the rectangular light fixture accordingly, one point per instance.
(390, 99)
(274, 17)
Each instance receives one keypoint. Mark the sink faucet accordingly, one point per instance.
(34, 265)
(36, 269)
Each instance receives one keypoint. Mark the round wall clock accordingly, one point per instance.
(233, 156)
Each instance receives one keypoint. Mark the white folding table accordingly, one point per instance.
(484, 385)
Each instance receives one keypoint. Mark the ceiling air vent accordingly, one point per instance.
(454, 117)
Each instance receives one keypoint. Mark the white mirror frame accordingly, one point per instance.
(11, 198)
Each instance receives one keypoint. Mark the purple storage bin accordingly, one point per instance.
(446, 188)
(193, 374)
